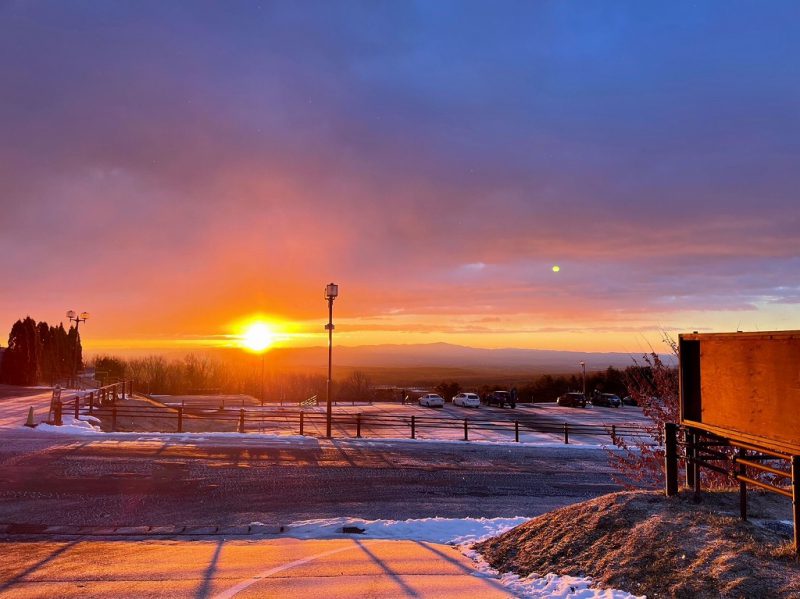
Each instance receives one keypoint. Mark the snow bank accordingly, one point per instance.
(454, 531)
(72, 426)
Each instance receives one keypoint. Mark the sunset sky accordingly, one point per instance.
(177, 168)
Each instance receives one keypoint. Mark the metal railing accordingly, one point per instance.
(358, 424)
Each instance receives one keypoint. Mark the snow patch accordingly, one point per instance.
(72, 426)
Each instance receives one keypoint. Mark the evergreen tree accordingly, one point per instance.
(21, 361)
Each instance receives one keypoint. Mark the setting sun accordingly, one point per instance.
(257, 337)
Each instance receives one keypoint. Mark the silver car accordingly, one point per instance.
(431, 400)
(467, 400)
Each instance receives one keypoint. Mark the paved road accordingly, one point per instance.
(223, 569)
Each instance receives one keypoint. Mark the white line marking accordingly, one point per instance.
(267, 573)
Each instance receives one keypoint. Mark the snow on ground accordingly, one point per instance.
(462, 532)
(72, 426)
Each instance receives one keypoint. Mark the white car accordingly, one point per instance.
(467, 400)
(431, 400)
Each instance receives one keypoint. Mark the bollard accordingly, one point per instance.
(301, 422)
(566, 433)
(413, 428)
(113, 418)
(671, 458)
(466, 432)
(180, 419)
(241, 420)
(516, 431)
(57, 413)
(77, 406)
(358, 425)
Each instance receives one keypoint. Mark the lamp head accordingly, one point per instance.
(331, 291)
(84, 315)
(71, 314)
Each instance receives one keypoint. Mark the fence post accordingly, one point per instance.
(671, 458)
(57, 413)
(516, 431)
(130, 387)
(180, 419)
(301, 422)
(77, 406)
(124, 384)
(413, 427)
(241, 420)
(613, 433)
(689, 458)
(91, 402)
(358, 425)
(466, 432)
(796, 501)
(113, 418)
(742, 486)
(566, 433)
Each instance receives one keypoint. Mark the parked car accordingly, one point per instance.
(467, 400)
(608, 400)
(572, 400)
(501, 399)
(629, 401)
(431, 400)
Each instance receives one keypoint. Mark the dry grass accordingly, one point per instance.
(646, 543)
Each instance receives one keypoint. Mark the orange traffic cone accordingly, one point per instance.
(30, 421)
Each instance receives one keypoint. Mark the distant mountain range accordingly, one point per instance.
(445, 355)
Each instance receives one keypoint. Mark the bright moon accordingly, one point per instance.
(556, 268)
(257, 337)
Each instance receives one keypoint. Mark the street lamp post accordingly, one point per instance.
(583, 368)
(78, 319)
(331, 292)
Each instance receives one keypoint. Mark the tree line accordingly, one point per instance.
(39, 352)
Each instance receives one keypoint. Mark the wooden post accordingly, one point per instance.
(91, 402)
(466, 431)
(566, 433)
(413, 428)
(796, 501)
(689, 458)
(113, 418)
(180, 419)
(241, 420)
(123, 390)
(516, 431)
(742, 453)
(57, 413)
(671, 458)
(613, 433)
(77, 406)
(358, 425)
(301, 422)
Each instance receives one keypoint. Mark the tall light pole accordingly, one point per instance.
(583, 367)
(78, 319)
(331, 292)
